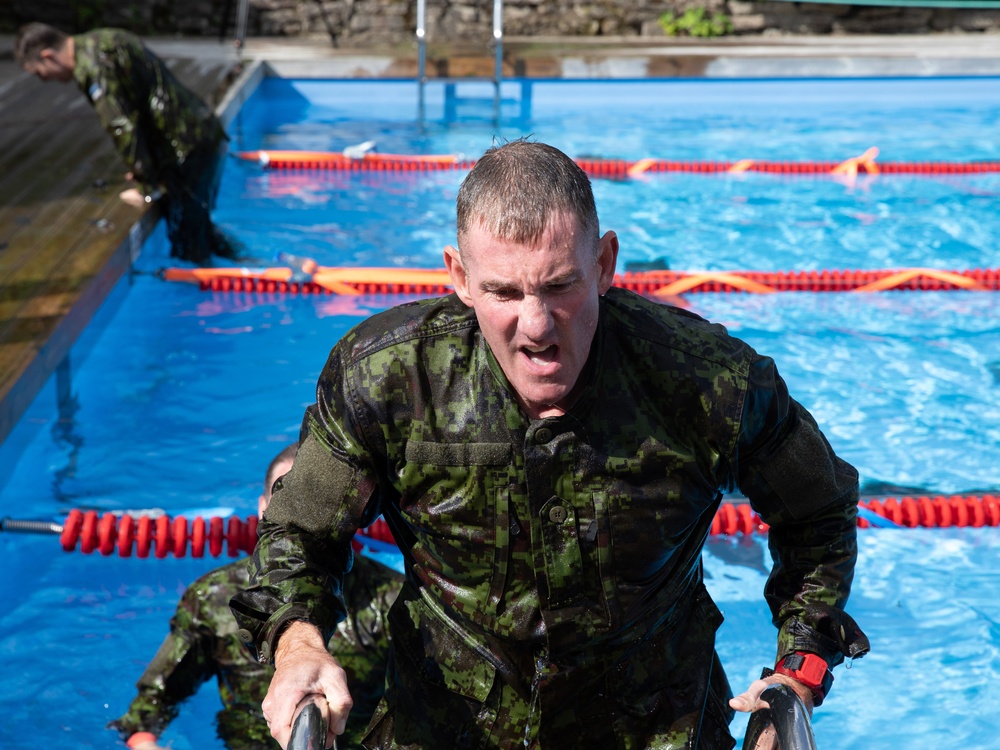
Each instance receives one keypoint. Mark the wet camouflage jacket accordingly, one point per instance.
(155, 121)
(555, 596)
(202, 644)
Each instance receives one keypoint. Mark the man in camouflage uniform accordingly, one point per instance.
(549, 452)
(203, 644)
(171, 141)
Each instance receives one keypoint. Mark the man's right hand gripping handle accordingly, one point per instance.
(303, 666)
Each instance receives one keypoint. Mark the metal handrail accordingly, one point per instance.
(421, 32)
(309, 727)
(789, 717)
(421, 40)
(498, 42)
(243, 12)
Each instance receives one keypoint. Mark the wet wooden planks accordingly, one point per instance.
(64, 234)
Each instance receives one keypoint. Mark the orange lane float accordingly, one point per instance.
(618, 168)
(660, 284)
(864, 162)
(324, 280)
(896, 280)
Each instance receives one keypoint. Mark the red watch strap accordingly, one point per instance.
(809, 669)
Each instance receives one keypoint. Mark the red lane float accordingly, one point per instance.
(927, 511)
(617, 168)
(165, 536)
(362, 281)
(938, 511)
(370, 162)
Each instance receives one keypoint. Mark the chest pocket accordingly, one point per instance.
(455, 498)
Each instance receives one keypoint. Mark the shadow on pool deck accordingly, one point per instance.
(66, 239)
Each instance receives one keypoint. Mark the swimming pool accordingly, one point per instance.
(758, 222)
(180, 397)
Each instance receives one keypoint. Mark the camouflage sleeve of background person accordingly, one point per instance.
(112, 71)
(154, 120)
(809, 498)
(189, 654)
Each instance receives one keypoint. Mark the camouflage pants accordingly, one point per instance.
(188, 203)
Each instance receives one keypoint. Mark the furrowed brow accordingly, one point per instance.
(492, 287)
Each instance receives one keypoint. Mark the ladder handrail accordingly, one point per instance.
(498, 43)
(421, 33)
(421, 40)
(242, 14)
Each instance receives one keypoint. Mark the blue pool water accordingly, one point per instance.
(180, 397)
(757, 221)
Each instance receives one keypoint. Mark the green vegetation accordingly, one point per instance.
(696, 22)
(87, 14)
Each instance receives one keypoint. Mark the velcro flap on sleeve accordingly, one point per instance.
(309, 496)
(806, 474)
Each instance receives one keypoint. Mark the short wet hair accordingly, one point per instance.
(515, 190)
(32, 38)
(271, 475)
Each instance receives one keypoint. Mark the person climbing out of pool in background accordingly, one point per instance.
(172, 142)
(549, 452)
(203, 643)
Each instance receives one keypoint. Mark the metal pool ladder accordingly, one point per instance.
(497, 49)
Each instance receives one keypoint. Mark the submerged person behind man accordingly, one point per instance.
(550, 453)
(170, 139)
(203, 644)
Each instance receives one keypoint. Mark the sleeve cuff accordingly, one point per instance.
(263, 644)
(825, 631)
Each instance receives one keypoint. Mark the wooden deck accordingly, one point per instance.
(65, 237)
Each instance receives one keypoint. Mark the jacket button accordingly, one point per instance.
(265, 652)
(245, 636)
(543, 435)
(557, 514)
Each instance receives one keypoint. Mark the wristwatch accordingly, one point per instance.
(809, 669)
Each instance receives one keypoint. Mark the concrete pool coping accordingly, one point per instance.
(633, 57)
(43, 346)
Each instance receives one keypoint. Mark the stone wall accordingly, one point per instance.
(764, 16)
(374, 23)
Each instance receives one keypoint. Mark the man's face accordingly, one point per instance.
(537, 305)
(280, 469)
(49, 67)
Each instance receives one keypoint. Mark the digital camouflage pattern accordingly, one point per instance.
(203, 644)
(554, 595)
(155, 121)
(168, 137)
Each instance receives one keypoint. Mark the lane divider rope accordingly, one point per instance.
(360, 281)
(165, 535)
(617, 168)
(162, 536)
(927, 511)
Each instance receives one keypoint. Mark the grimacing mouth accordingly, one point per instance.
(540, 355)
